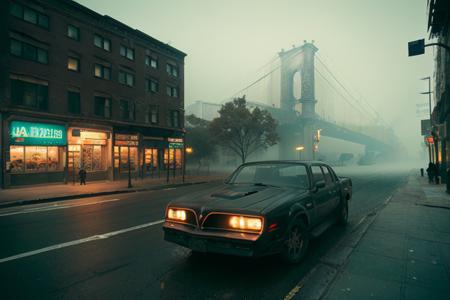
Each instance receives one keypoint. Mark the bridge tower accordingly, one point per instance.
(298, 59)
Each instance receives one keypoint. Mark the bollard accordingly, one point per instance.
(421, 172)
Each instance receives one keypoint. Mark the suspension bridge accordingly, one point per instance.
(310, 101)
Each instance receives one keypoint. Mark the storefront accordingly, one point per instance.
(173, 155)
(36, 153)
(153, 150)
(126, 156)
(89, 149)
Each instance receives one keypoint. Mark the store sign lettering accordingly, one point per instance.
(27, 133)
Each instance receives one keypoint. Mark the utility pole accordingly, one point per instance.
(429, 107)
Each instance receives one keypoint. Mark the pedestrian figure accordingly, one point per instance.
(82, 174)
(436, 173)
(430, 172)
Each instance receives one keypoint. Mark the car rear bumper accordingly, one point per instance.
(229, 243)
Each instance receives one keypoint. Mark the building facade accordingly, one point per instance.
(439, 27)
(83, 90)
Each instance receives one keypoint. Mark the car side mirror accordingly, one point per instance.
(320, 184)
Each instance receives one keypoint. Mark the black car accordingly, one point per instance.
(262, 208)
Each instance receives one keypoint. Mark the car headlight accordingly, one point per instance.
(176, 214)
(245, 223)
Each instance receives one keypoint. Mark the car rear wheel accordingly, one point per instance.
(342, 213)
(296, 243)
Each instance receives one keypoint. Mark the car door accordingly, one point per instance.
(332, 190)
(321, 196)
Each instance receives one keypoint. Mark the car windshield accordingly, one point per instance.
(272, 174)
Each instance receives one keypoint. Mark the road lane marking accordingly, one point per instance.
(55, 207)
(80, 241)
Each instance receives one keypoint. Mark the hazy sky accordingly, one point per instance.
(363, 41)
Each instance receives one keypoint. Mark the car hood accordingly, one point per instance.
(236, 198)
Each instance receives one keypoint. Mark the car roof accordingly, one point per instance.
(302, 162)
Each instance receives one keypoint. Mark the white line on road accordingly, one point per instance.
(80, 241)
(55, 207)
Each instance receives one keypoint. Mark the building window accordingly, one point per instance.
(29, 52)
(101, 71)
(152, 85)
(102, 42)
(126, 78)
(151, 62)
(29, 94)
(73, 32)
(172, 70)
(36, 159)
(174, 118)
(172, 91)
(73, 64)
(102, 107)
(73, 102)
(29, 15)
(153, 115)
(127, 110)
(127, 52)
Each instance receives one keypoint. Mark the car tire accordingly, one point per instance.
(296, 243)
(342, 213)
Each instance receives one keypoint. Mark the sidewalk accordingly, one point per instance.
(54, 192)
(405, 253)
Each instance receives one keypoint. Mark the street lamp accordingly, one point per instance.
(429, 106)
(187, 150)
(300, 149)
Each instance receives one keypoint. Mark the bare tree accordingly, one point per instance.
(243, 131)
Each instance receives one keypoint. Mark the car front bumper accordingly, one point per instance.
(230, 243)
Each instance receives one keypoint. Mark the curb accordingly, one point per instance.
(97, 194)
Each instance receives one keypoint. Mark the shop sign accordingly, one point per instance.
(176, 145)
(175, 140)
(126, 140)
(35, 134)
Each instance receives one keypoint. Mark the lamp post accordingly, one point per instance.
(300, 149)
(187, 150)
(429, 107)
(129, 168)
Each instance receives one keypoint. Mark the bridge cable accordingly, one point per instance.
(346, 90)
(368, 104)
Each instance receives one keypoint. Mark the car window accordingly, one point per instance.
(277, 174)
(332, 174)
(327, 175)
(317, 173)
(294, 175)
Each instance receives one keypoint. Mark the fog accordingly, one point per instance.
(231, 43)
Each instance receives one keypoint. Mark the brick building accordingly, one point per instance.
(79, 89)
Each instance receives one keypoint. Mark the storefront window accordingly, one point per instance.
(88, 149)
(173, 156)
(74, 157)
(37, 159)
(17, 159)
(53, 158)
(151, 158)
(121, 158)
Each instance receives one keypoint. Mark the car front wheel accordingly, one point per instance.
(296, 243)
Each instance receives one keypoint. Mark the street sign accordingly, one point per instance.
(425, 127)
(416, 47)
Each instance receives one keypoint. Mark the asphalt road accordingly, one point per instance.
(113, 248)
